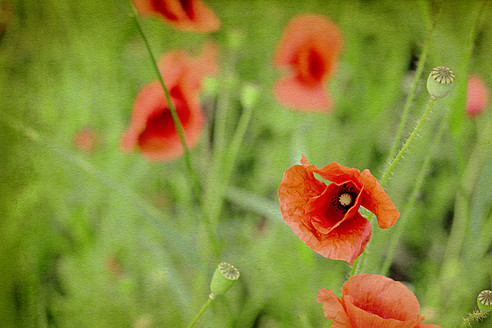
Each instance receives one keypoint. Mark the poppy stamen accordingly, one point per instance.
(345, 199)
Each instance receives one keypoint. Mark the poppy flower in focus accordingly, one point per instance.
(372, 301)
(309, 47)
(326, 217)
(186, 15)
(86, 140)
(152, 128)
(477, 95)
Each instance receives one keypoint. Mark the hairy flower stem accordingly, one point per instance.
(474, 316)
(199, 314)
(357, 266)
(404, 148)
(411, 95)
(402, 221)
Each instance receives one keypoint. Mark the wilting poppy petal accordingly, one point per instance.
(372, 301)
(477, 95)
(186, 15)
(309, 47)
(326, 218)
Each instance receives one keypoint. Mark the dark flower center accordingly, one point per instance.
(163, 8)
(344, 198)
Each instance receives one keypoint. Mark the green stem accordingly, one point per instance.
(199, 314)
(214, 193)
(357, 267)
(411, 95)
(475, 316)
(196, 186)
(403, 150)
(402, 221)
(172, 108)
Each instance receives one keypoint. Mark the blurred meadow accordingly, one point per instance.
(95, 237)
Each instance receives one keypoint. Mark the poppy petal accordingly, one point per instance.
(309, 47)
(152, 128)
(477, 95)
(346, 242)
(377, 201)
(383, 297)
(333, 309)
(374, 301)
(362, 319)
(327, 216)
(309, 29)
(298, 187)
(335, 172)
(191, 15)
(290, 92)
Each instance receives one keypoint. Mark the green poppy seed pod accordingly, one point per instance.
(484, 301)
(440, 82)
(224, 277)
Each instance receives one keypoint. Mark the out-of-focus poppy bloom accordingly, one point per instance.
(477, 95)
(86, 140)
(152, 128)
(310, 47)
(326, 217)
(186, 15)
(372, 301)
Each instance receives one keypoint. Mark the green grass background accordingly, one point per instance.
(111, 240)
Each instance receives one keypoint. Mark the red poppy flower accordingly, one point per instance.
(187, 15)
(326, 217)
(86, 140)
(152, 128)
(372, 301)
(310, 47)
(477, 96)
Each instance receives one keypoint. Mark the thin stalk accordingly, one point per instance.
(196, 186)
(411, 95)
(357, 267)
(235, 144)
(199, 314)
(172, 108)
(214, 193)
(475, 316)
(389, 169)
(402, 221)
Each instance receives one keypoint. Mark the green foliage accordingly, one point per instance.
(107, 239)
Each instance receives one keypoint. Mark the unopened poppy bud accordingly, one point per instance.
(440, 82)
(224, 277)
(249, 95)
(484, 301)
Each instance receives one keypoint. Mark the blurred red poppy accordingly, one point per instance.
(152, 128)
(326, 217)
(372, 301)
(310, 47)
(477, 95)
(186, 15)
(86, 140)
